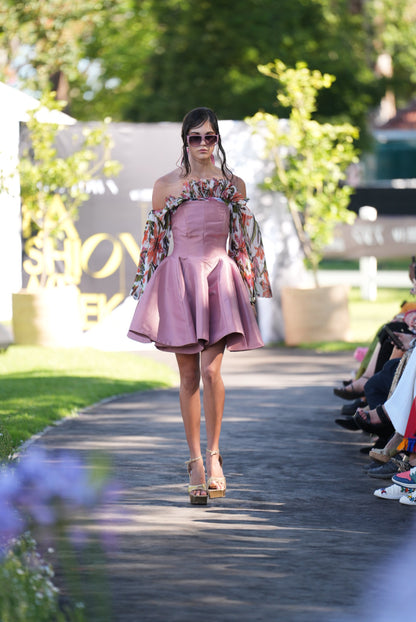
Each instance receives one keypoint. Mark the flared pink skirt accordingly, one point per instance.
(191, 303)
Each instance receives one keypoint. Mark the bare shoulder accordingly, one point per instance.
(167, 185)
(239, 184)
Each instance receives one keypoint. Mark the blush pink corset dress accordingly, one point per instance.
(197, 296)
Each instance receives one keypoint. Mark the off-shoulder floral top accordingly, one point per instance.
(245, 243)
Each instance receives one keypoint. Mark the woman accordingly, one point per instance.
(401, 410)
(200, 299)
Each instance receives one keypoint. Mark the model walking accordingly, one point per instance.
(200, 299)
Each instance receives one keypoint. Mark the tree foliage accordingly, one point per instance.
(52, 188)
(392, 27)
(309, 159)
(207, 53)
(152, 60)
(43, 42)
(116, 57)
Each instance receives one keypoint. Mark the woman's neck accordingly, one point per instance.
(202, 170)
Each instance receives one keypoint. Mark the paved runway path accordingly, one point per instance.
(299, 532)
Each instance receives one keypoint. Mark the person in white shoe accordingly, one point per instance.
(401, 405)
(409, 499)
(392, 492)
(403, 488)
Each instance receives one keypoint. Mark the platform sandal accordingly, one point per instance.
(383, 428)
(389, 450)
(347, 392)
(196, 499)
(216, 485)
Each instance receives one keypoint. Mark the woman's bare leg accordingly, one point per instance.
(214, 396)
(359, 383)
(190, 402)
(371, 367)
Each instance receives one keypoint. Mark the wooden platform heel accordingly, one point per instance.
(194, 498)
(216, 485)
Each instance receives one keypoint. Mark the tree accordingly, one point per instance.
(392, 28)
(210, 57)
(52, 188)
(152, 60)
(42, 43)
(309, 159)
(116, 56)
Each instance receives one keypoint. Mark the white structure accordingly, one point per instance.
(14, 107)
(244, 155)
(368, 265)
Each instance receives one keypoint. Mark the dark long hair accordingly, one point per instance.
(195, 118)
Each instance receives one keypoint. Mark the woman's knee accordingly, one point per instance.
(210, 373)
(189, 372)
(190, 377)
(211, 361)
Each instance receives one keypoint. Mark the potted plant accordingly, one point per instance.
(52, 189)
(309, 161)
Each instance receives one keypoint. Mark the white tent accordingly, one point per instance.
(15, 104)
(14, 107)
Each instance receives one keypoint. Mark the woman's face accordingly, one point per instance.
(201, 150)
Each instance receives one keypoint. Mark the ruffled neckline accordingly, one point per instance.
(213, 187)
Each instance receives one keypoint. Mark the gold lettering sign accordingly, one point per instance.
(74, 258)
(113, 262)
(96, 307)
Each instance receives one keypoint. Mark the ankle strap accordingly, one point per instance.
(193, 460)
(384, 418)
(213, 452)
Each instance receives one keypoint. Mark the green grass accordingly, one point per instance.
(39, 386)
(401, 263)
(366, 317)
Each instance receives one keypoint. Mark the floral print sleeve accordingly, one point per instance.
(245, 248)
(155, 247)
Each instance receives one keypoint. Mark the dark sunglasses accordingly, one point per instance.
(195, 139)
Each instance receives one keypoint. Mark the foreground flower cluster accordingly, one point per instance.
(27, 591)
(41, 490)
(41, 494)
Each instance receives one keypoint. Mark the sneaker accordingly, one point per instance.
(392, 492)
(409, 499)
(408, 478)
(371, 466)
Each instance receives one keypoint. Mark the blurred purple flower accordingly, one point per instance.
(77, 536)
(9, 484)
(42, 488)
(11, 523)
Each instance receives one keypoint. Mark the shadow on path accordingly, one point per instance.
(299, 529)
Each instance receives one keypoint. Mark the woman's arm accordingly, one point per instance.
(168, 185)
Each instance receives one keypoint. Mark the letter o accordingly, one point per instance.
(112, 263)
